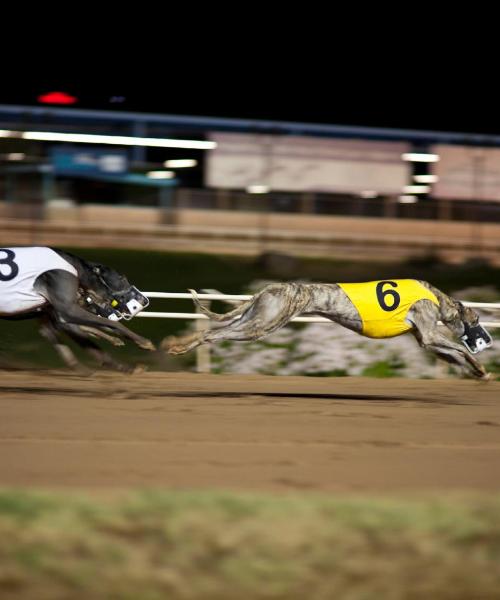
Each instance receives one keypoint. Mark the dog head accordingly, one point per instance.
(467, 315)
(475, 337)
(110, 294)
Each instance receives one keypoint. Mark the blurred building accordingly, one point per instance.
(93, 177)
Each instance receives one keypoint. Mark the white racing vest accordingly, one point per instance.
(19, 268)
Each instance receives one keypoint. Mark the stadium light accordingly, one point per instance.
(115, 140)
(258, 189)
(180, 163)
(416, 189)
(425, 178)
(160, 174)
(420, 157)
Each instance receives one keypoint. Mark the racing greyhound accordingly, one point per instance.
(375, 309)
(68, 294)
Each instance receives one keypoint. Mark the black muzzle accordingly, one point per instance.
(476, 338)
(121, 305)
(129, 303)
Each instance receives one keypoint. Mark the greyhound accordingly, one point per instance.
(376, 309)
(69, 295)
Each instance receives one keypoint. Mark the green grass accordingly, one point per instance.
(218, 545)
(331, 373)
(384, 368)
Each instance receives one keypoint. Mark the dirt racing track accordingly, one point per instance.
(180, 430)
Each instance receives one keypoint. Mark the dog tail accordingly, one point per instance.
(229, 316)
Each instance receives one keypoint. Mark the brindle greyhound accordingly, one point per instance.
(368, 309)
(55, 286)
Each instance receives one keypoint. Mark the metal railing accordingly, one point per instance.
(242, 297)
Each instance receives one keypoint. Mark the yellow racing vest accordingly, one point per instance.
(383, 305)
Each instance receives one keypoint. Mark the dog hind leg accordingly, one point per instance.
(50, 333)
(264, 314)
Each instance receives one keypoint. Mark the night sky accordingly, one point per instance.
(332, 94)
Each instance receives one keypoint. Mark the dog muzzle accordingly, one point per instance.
(476, 338)
(123, 305)
(101, 309)
(130, 303)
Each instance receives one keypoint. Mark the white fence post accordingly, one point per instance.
(203, 351)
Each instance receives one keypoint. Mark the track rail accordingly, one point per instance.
(243, 297)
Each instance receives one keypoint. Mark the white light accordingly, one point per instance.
(407, 199)
(115, 140)
(420, 157)
(368, 194)
(416, 189)
(160, 174)
(180, 163)
(15, 156)
(258, 189)
(425, 178)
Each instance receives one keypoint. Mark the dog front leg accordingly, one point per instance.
(425, 317)
(75, 315)
(103, 358)
(61, 290)
(98, 333)
(452, 353)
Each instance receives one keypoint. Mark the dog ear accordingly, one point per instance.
(460, 308)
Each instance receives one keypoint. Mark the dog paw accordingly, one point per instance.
(177, 350)
(146, 344)
(82, 370)
(168, 343)
(125, 369)
(173, 345)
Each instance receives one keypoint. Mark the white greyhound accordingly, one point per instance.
(375, 309)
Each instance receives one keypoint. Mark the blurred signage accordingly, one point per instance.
(89, 162)
(296, 163)
(467, 172)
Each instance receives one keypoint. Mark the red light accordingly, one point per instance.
(57, 98)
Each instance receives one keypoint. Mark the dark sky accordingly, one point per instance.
(353, 107)
(323, 70)
(334, 95)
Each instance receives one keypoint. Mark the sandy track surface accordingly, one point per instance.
(182, 430)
